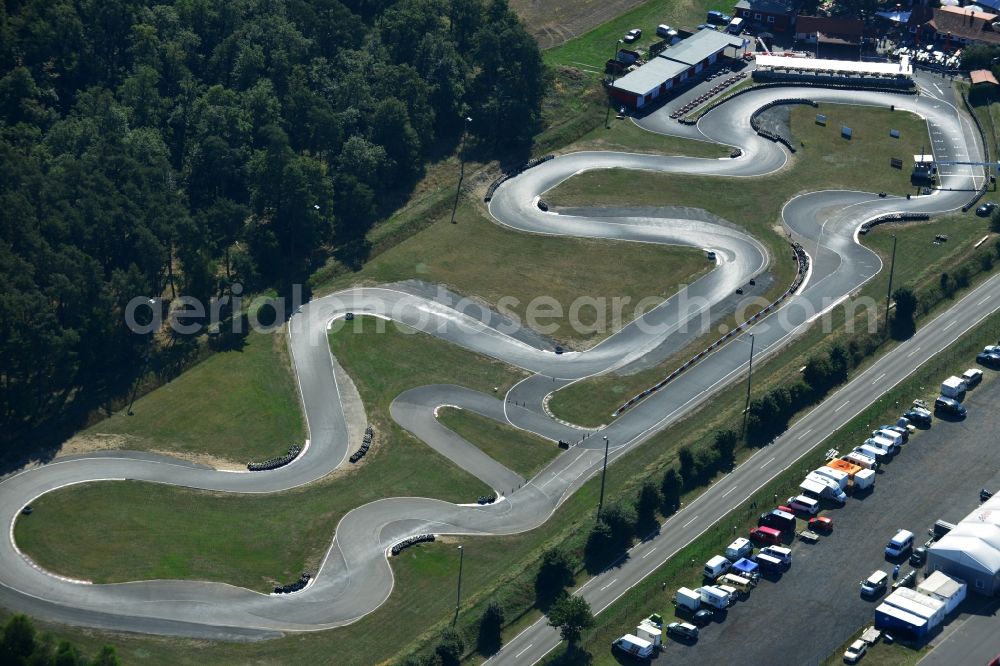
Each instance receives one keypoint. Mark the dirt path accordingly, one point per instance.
(553, 22)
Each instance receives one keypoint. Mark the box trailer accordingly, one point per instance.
(648, 632)
(687, 598)
(937, 606)
(864, 480)
(953, 387)
(932, 615)
(942, 586)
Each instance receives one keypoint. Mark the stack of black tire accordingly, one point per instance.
(360, 453)
(406, 543)
(296, 586)
(274, 463)
(487, 499)
(563, 444)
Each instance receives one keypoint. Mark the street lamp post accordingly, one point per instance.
(604, 473)
(888, 295)
(461, 167)
(746, 409)
(614, 71)
(458, 601)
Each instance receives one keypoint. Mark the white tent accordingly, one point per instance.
(971, 551)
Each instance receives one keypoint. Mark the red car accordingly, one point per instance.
(821, 524)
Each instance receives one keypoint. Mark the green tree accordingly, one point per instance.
(490, 629)
(554, 575)
(450, 647)
(647, 503)
(571, 615)
(671, 486)
(18, 640)
(904, 314)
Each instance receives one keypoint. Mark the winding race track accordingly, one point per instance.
(355, 577)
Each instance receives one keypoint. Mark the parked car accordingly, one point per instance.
(821, 524)
(986, 209)
(950, 406)
(921, 417)
(989, 359)
(875, 584)
(804, 504)
(972, 377)
(900, 544)
(855, 652)
(682, 630)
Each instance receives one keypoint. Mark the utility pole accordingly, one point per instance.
(461, 167)
(888, 296)
(614, 71)
(604, 473)
(458, 602)
(746, 409)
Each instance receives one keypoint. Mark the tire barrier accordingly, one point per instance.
(767, 134)
(296, 586)
(507, 175)
(360, 453)
(563, 444)
(892, 217)
(802, 260)
(412, 541)
(861, 82)
(487, 499)
(275, 463)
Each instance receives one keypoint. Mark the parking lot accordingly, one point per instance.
(815, 606)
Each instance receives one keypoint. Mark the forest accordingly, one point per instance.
(184, 146)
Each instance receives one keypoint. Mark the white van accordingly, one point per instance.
(893, 436)
(717, 566)
(635, 646)
(887, 446)
(739, 549)
(804, 504)
(874, 584)
(871, 452)
(899, 544)
(861, 460)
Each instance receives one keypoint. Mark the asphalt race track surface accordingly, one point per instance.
(355, 577)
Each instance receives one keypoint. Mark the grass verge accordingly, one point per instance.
(520, 451)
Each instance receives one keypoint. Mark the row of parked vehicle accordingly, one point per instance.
(704, 97)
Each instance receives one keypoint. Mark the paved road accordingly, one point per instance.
(354, 577)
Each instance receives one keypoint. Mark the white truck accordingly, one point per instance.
(735, 26)
(841, 477)
(953, 387)
(715, 596)
(861, 460)
(818, 486)
(651, 633)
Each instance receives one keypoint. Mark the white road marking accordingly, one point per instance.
(516, 656)
(803, 435)
(877, 379)
(769, 462)
(842, 406)
(913, 352)
(689, 522)
(726, 494)
(950, 324)
(648, 553)
(609, 584)
(983, 301)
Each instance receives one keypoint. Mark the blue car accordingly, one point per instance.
(990, 359)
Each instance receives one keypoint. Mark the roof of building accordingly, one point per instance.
(835, 66)
(940, 584)
(975, 540)
(648, 77)
(788, 7)
(699, 46)
(983, 76)
(832, 26)
(972, 26)
(965, 11)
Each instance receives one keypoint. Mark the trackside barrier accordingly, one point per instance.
(275, 463)
(507, 175)
(365, 443)
(412, 541)
(294, 587)
(771, 135)
(801, 258)
(892, 217)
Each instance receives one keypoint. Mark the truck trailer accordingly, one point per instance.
(953, 387)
